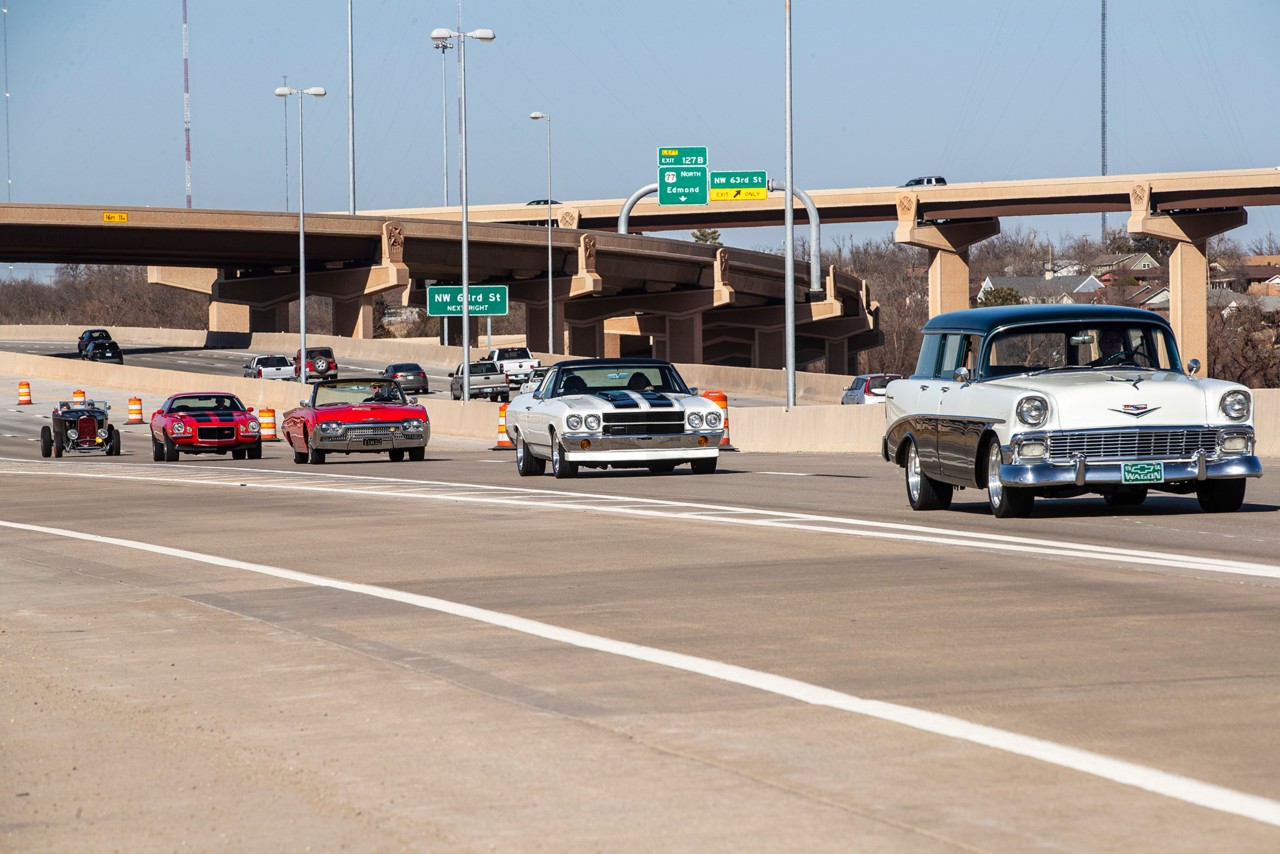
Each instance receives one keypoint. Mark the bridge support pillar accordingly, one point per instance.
(838, 357)
(353, 317)
(271, 318)
(770, 349)
(226, 316)
(683, 342)
(586, 339)
(1188, 264)
(948, 244)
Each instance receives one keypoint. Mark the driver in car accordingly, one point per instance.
(381, 393)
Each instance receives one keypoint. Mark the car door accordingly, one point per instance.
(532, 414)
(959, 427)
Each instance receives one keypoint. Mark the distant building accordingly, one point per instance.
(1124, 263)
(1037, 289)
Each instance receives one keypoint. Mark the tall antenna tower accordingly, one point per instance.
(186, 97)
(1104, 107)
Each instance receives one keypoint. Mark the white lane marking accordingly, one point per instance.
(788, 473)
(1175, 786)
(525, 498)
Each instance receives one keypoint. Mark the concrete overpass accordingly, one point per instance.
(1185, 208)
(612, 293)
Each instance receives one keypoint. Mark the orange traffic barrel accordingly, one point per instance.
(503, 442)
(721, 400)
(24, 393)
(267, 424)
(135, 411)
(77, 396)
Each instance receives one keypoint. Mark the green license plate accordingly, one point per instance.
(1142, 472)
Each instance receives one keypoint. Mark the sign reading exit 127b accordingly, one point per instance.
(695, 155)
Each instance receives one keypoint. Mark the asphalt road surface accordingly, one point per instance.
(371, 656)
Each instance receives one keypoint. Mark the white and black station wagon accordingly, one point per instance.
(1057, 401)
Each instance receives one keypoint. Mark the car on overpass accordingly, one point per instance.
(1057, 401)
(926, 181)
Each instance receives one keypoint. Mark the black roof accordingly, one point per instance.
(983, 320)
(604, 363)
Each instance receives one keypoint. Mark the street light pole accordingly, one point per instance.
(551, 308)
(789, 223)
(439, 35)
(444, 48)
(285, 92)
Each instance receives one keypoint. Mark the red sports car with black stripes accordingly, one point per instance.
(205, 422)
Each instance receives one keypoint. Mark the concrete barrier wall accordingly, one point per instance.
(822, 428)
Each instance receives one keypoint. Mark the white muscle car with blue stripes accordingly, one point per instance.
(614, 413)
(1057, 401)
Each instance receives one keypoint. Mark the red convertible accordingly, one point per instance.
(205, 422)
(357, 415)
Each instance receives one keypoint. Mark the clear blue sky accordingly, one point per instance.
(883, 91)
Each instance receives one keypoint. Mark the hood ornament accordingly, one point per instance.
(1136, 410)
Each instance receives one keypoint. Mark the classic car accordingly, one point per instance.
(410, 375)
(485, 380)
(205, 422)
(90, 335)
(321, 363)
(79, 428)
(357, 415)
(614, 413)
(868, 388)
(103, 351)
(534, 380)
(1057, 401)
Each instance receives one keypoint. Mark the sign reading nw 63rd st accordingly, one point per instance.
(486, 300)
(739, 186)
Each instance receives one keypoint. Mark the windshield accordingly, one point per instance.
(358, 391)
(206, 403)
(1079, 346)
(637, 378)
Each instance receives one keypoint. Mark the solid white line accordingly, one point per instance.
(1173, 786)
(788, 473)
(524, 498)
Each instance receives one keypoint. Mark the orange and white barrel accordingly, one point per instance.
(503, 442)
(24, 393)
(267, 424)
(135, 411)
(721, 400)
(77, 396)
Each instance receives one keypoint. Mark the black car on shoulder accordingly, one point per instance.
(79, 428)
(89, 336)
(103, 351)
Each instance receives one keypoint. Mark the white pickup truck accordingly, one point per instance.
(515, 362)
(274, 367)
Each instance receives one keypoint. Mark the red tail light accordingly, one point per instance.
(259, 373)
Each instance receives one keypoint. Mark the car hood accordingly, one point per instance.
(369, 412)
(1125, 397)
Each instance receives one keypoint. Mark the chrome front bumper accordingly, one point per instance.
(1082, 471)
(675, 446)
(397, 441)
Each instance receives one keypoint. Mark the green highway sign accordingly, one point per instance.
(751, 185)
(486, 300)
(682, 185)
(689, 155)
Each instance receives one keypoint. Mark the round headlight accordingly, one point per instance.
(573, 422)
(253, 426)
(179, 427)
(102, 434)
(591, 422)
(713, 420)
(413, 425)
(1235, 405)
(1033, 411)
(330, 427)
(695, 420)
(72, 433)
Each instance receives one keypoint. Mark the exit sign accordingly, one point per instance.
(689, 155)
(485, 300)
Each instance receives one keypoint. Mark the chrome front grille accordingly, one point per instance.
(643, 423)
(1155, 444)
(361, 431)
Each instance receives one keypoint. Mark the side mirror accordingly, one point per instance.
(694, 391)
(303, 402)
(413, 400)
(451, 376)
(961, 375)
(248, 409)
(1193, 367)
